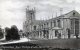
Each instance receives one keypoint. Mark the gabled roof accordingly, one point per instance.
(71, 12)
(45, 21)
(67, 14)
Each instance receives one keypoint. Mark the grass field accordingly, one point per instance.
(53, 43)
(59, 43)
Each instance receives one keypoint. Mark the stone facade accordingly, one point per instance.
(58, 27)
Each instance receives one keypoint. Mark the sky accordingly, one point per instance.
(13, 12)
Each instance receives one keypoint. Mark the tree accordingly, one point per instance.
(8, 33)
(14, 32)
(1, 33)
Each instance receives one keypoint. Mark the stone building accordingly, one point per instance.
(64, 26)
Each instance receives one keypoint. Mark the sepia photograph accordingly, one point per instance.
(39, 25)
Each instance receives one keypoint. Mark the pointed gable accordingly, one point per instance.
(73, 13)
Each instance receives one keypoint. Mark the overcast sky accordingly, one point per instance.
(12, 12)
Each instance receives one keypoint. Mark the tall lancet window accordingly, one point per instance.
(72, 26)
(75, 26)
